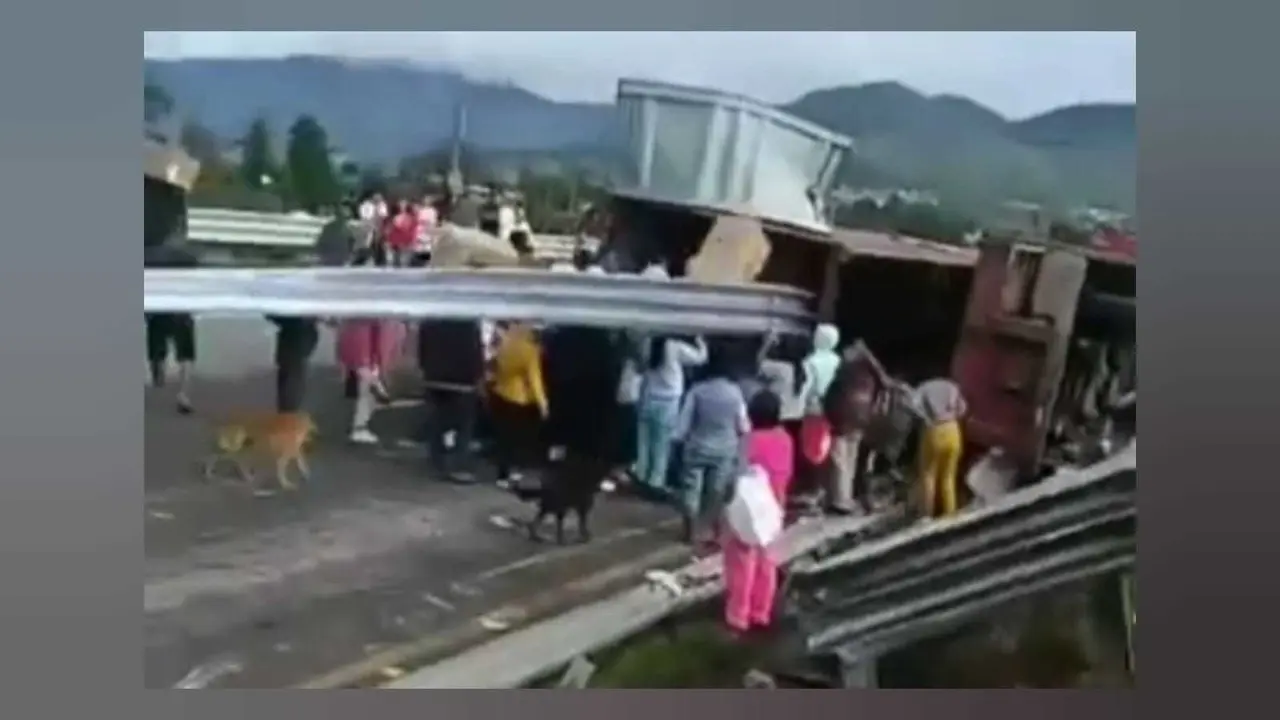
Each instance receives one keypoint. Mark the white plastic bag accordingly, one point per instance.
(754, 514)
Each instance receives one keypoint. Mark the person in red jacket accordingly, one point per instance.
(401, 232)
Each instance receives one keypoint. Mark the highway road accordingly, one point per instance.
(372, 554)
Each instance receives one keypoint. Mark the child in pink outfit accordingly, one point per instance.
(750, 572)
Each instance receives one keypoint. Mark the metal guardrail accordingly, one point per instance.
(216, 226)
(514, 660)
(872, 600)
(299, 231)
(533, 295)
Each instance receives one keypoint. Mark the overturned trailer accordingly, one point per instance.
(1047, 350)
(1038, 334)
(706, 170)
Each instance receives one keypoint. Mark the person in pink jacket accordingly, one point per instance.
(750, 572)
(367, 349)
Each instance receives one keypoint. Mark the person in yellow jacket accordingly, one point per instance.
(517, 400)
(941, 406)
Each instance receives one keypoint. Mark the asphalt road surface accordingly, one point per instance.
(371, 554)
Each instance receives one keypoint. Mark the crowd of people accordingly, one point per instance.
(678, 419)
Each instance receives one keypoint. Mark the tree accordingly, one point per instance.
(258, 165)
(312, 178)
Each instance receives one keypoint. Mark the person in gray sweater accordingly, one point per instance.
(711, 425)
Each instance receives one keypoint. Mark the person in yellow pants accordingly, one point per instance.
(941, 406)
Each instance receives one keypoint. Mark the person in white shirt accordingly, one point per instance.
(371, 214)
(428, 221)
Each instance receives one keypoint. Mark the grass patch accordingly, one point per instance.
(693, 654)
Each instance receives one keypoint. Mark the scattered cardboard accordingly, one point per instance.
(734, 251)
(460, 247)
(169, 164)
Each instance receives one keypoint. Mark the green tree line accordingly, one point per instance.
(308, 177)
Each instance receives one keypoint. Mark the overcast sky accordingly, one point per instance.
(1016, 73)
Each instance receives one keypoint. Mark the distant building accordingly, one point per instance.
(882, 196)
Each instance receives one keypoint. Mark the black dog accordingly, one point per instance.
(569, 486)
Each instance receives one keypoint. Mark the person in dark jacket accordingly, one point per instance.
(298, 337)
(582, 371)
(296, 341)
(849, 405)
(452, 359)
(171, 330)
(337, 240)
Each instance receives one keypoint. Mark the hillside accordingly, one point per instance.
(968, 153)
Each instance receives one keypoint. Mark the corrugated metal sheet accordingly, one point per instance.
(887, 593)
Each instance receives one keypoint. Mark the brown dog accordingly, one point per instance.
(282, 437)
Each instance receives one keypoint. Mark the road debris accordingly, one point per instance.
(502, 522)
(578, 674)
(202, 676)
(758, 680)
(502, 619)
(391, 672)
(464, 590)
(439, 602)
(162, 515)
(665, 581)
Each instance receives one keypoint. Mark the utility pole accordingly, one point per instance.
(455, 181)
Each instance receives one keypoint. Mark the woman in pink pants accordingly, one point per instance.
(368, 349)
(751, 572)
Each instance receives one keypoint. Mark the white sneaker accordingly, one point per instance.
(363, 436)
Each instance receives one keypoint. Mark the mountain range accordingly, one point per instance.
(967, 153)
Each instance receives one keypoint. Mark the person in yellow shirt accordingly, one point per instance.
(517, 400)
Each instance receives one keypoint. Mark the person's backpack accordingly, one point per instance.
(815, 439)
